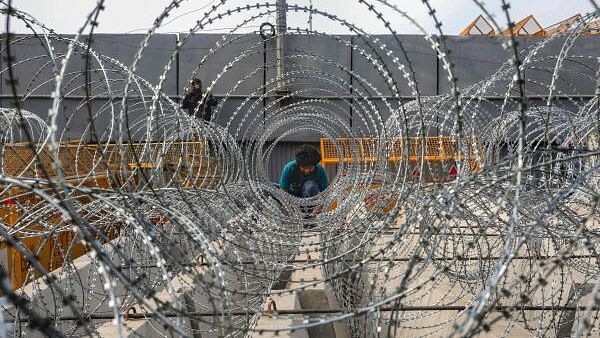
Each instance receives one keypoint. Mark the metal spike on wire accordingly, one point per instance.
(451, 215)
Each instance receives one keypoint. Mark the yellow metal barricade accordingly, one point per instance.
(435, 153)
(88, 165)
(412, 149)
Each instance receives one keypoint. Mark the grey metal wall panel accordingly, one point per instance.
(538, 71)
(40, 107)
(248, 48)
(420, 57)
(34, 67)
(577, 75)
(282, 154)
(368, 122)
(32, 64)
(337, 110)
(474, 59)
(303, 136)
(155, 57)
(322, 60)
(74, 120)
(199, 46)
(242, 121)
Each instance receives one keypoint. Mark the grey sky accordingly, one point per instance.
(135, 16)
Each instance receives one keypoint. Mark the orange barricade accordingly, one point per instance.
(433, 159)
(434, 148)
(81, 165)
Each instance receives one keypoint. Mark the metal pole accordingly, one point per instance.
(281, 29)
(310, 16)
(351, 79)
(264, 91)
(177, 69)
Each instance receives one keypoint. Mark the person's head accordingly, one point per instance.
(307, 158)
(196, 85)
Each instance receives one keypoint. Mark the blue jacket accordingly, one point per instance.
(292, 179)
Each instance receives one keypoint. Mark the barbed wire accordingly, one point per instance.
(451, 215)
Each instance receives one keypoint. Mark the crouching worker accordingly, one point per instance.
(304, 177)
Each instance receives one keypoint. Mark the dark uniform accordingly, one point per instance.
(191, 101)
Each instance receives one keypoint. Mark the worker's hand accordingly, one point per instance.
(317, 210)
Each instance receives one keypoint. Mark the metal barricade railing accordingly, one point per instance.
(432, 148)
(25, 160)
(88, 165)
